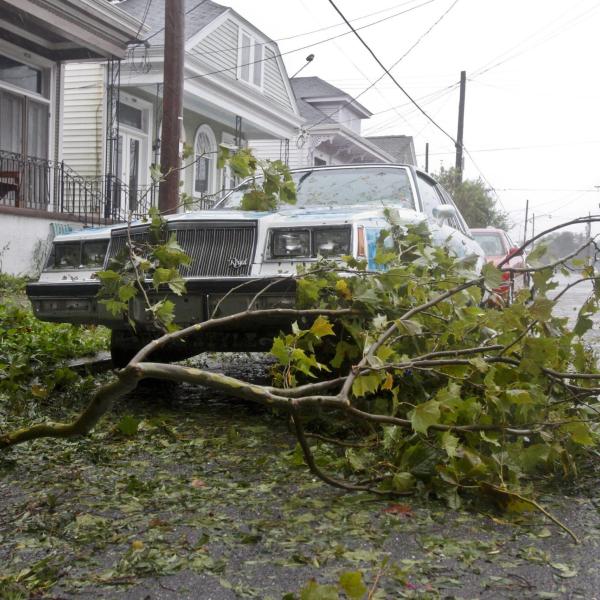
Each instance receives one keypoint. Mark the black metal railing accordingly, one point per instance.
(41, 184)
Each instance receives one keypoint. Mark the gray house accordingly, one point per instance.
(331, 129)
(236, 88)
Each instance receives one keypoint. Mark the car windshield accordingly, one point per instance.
(343, 187)
(491, 243)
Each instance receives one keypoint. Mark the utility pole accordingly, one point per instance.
(533, 225)
(461, 123)
(526, 218)
(172, 122)
(426, 157)
(588, 232)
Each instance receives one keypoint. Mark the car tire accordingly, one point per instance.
(124, 345)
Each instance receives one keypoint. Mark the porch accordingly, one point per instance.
(29, 183)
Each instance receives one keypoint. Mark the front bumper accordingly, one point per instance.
(78, 303)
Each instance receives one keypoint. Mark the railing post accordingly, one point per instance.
(62, 185)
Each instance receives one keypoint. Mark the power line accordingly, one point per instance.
(374, 83)
(187, 12)
(387, 71)
(304, 34)
(518, 148)
(144, 17)
(423, 101)
(558, 31)
(582, 190)
(277, 55)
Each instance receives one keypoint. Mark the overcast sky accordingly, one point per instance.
(531, 120)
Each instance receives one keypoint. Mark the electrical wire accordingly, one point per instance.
(551, 35)
(425, 100)
(519, 148)
(277, 55)
(374, 83)
(144, 17)
(187, 12)
(305, 33)
(375, 57)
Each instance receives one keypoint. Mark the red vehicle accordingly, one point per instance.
(496, 246)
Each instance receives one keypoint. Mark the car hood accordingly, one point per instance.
(284, 217)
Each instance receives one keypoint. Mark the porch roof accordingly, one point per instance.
(347, 145)
(68, 29)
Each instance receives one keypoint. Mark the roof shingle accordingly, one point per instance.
(198, 15)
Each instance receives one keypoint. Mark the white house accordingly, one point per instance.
(331, 129)
(236, 88)
(37, 40)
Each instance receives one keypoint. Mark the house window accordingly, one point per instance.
(24, 108)
(250, 59)
(21, 75)
(131, 116)
(205, 160)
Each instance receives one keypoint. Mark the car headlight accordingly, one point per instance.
(286, 243)
(310, 242)
(66, 256)
(94, 253)
(331, 242)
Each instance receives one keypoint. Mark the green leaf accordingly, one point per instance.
(114, 307)
(316, 591)
(425, 415)
(403, 482)
(164, 311)
(280, 351)
(411, 326)
(492, 276)
(541, 309)
(177, 285)
(537, 253)
(321, 327)
(127, 292)
(579, 433)
(583, 324)
(450, 443)
(353, 585)
(538, 353)
(128, 425)
(366, 384)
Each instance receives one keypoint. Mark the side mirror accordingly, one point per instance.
(444, 212)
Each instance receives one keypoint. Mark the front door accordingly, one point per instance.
(132, 170)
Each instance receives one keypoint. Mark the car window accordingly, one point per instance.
(491, 243)
(430, 198)
(343, 187)
(459, 222)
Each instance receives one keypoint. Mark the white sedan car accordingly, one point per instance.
(339, 211)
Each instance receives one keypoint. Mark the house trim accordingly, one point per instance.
(357, 140)
(101, 27)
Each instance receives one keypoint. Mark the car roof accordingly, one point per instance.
(486, 230)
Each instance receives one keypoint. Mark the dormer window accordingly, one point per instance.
(250, 59)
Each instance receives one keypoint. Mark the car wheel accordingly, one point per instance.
(124, 345)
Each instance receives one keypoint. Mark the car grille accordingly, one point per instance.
(216, 249)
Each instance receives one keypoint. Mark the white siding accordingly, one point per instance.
(83, 118)
(274, 150)
(274, 86)
(219, 49)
